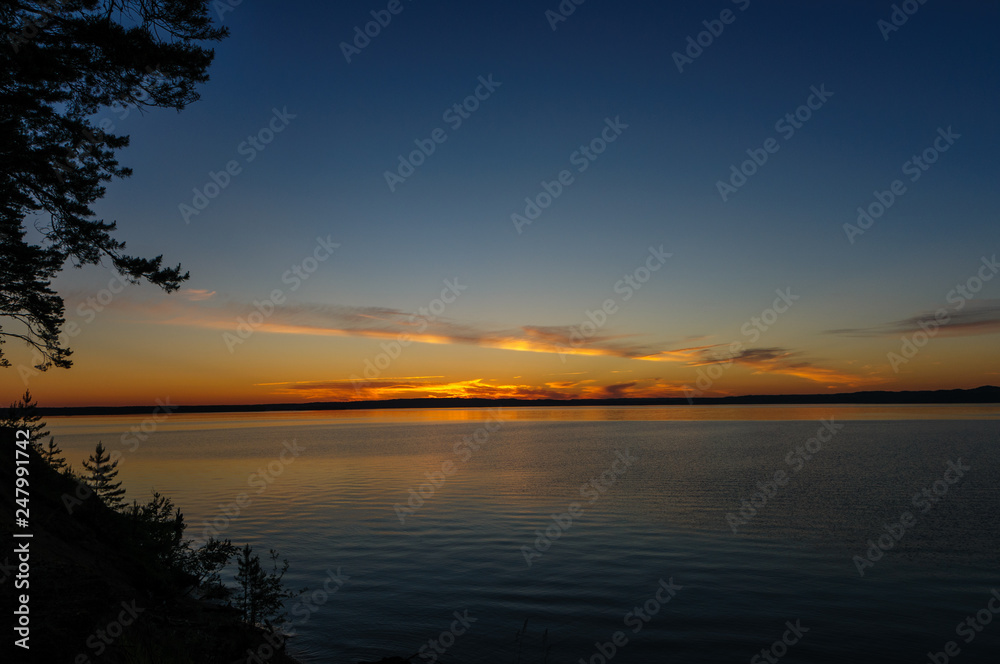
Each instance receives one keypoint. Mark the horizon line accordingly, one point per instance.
(985, 394)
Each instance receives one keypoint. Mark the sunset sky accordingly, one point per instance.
(749, 287)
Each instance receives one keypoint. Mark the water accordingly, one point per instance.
(328, 505)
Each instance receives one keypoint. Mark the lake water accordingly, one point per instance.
(571, 519)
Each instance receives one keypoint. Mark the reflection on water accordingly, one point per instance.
(195, 421)
(430, 512)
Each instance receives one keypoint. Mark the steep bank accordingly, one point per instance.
(92, 594)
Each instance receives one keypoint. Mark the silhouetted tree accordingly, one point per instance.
(64, 60)
(204, 563)
(23, 414)
(260, 596)
(53, 455)
(160, 528)
(103, 471)
(156, 531)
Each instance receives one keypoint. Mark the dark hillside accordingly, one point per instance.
(94, 596)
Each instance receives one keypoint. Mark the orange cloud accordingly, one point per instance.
(384, 323)
(408, 387)
(413, 387)
(387, 323)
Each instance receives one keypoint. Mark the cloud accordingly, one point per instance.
(692, 355)
(618, 390)
(752, 356)
(196, 294)
(783, 361)
(974, 318)
(409, 387)
(387, 323)
(393, 324)
(413, 387)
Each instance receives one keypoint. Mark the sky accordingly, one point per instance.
(552, 200)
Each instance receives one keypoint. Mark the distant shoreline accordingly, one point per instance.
(979, 395)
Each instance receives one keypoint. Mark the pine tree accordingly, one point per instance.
(103, 471)
(63, 62)
(23, 414)
(204, 564)
(251, 578)
(261, 595)
(53, 455)
(159, 528)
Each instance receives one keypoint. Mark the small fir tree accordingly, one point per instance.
(103, 472)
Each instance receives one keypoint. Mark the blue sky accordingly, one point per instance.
(323, 175)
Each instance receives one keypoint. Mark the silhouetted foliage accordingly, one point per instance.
(52, 455)
(63, 62)
(158, 528)
(102, 473)
(205, 563)
(157, 531)
(23, 414)
(260, 596)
